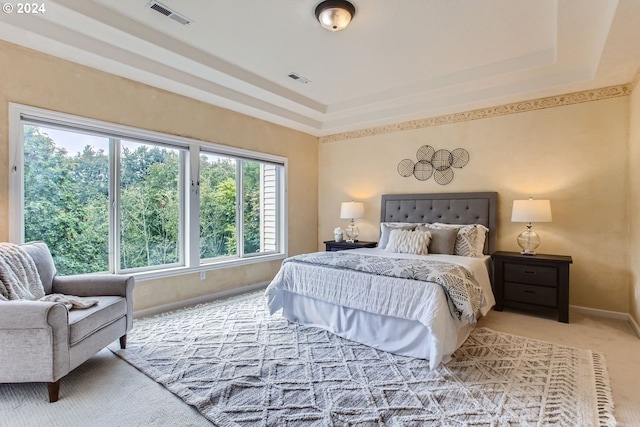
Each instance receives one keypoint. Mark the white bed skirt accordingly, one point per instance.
(392, 334)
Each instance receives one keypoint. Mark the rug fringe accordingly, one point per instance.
(603, 391)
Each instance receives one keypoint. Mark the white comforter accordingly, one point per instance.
(422, 302)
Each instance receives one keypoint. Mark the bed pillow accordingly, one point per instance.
(480, 238)
(470, 238)
(443, 240)
(386, 227)
(409, 242)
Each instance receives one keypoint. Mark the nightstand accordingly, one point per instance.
(332, 245)
(532, 282)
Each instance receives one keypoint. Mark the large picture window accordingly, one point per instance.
(66, 196)
(108, 198)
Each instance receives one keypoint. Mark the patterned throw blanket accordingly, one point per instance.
(19, 278)
(464, 294)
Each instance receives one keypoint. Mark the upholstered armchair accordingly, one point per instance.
(43, 341)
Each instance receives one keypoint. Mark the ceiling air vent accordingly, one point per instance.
(298, 78)
(168, 12)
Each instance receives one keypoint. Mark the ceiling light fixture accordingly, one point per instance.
(335, 15)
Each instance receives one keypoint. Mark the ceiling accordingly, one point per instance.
(397, 61)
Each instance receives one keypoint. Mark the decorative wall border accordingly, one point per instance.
(501, 110)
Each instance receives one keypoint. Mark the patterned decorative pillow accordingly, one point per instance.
(409, 242)
(480, 238)
(470, 238)
(386, 227)
(443, 240)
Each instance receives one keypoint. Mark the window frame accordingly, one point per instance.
(189, 208)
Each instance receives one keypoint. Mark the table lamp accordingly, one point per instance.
(352, 210)
(530, 211)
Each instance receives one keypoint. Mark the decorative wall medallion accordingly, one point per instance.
(434, 163)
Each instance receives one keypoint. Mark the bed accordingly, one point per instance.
(402, 302)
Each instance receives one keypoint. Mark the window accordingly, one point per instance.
(66, 196)
(108, 198)
(223, 212)
(217, 206)
(150, 219)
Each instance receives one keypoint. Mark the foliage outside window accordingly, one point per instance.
(107, 203)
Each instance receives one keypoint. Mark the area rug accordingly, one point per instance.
(239, 366)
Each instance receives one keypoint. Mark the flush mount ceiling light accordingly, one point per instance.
(335, 15)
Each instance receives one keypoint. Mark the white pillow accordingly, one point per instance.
(409, 242)
(386, 227)
(470, 239)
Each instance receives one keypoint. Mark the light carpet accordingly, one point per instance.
(239, 366)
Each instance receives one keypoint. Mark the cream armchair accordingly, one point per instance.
(43, 341)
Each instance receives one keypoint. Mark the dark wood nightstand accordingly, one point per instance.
(533, 282)
(332, 245)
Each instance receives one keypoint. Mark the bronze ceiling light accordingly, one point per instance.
(335, 15)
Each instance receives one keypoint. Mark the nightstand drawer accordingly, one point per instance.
(531, 274)
(333, 246)
(530, 294)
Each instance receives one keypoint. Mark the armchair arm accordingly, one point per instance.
(25, 314)
(35, 341)
(91, 285)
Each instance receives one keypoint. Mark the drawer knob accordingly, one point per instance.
(529, 272)
(528, 291)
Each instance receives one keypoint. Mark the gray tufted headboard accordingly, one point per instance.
(450, 208)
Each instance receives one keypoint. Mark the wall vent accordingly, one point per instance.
(168, 12)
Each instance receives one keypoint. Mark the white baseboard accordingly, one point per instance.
(610, 315)
(634, 325)
(199, 300)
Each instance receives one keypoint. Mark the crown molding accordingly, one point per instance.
(485, 113)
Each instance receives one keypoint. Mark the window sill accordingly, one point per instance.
(228, 263)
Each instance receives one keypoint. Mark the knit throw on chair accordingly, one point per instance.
(19, 277)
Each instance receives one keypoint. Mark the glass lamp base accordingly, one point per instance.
(528, 240)
(352, 232)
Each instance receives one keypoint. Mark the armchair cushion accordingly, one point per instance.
(85, 322)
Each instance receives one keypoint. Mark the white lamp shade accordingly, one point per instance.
(351, 210)
(531, 211)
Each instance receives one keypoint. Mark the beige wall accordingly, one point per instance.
(634, 202)
(36, 79)
(575, 155)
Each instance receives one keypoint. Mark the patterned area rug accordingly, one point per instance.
(239, 366)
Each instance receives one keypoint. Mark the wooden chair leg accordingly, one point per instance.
(123, 341)
(54, 391)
